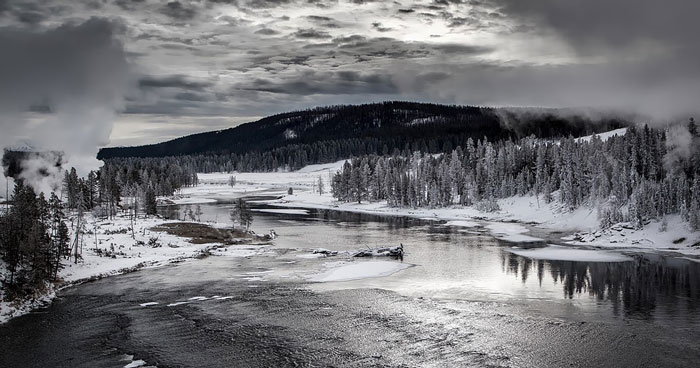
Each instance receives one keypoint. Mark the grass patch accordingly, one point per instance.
(202, 233)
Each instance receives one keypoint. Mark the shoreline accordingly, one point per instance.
(520, 229)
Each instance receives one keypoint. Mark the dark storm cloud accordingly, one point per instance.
(177, 10)
(336, 83)
(267, 32)
(387, 47)
(324, 22)
(462, 49)
(264, 3)
(189, 96)
(173, 81)
(128, 4)
(27, 12)
(310, 33)
(379, 27)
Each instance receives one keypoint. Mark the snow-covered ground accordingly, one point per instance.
(113, 251)
(603, 136)
(562, 253)
(525, 210)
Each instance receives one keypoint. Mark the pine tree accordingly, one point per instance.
(150, 203)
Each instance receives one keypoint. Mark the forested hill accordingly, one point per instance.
(372, 128)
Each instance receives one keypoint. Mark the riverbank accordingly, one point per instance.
(110, 247)
(512, 222)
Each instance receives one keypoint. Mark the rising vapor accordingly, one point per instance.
(61, 89)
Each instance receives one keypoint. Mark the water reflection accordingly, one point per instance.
(637, 287)
(463, 263)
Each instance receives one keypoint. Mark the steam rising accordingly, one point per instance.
(74, 78)
(678, 147)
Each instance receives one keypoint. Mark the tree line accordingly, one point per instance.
(295, 139)
(139, 180)
(644, 174)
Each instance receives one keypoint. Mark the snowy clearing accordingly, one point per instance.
(603, 136)
(560, 253)
(344, 271)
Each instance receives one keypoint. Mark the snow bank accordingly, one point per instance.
(344, 271)
(555, 252)
(677, 237)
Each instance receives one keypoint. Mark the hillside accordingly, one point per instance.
(373, 128)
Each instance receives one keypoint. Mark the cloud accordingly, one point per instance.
(592, 24)
(257, 57)
(336, 83)
(310, 33)
(176, 10)
(172, 81)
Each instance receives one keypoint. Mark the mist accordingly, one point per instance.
(62, 88)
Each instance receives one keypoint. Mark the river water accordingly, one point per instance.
(465, 300)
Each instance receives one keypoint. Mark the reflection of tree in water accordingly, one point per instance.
(638, 286)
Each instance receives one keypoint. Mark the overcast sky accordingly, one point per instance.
(169, 68)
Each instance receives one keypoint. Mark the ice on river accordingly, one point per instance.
(560, 253)
(462, 223)
(511, 232)
(284, 211)
(344, 271)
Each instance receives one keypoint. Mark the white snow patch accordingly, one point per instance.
(603, 136)
(311, 255)
(135, 363)
(554, 252)
(358, 270)
(198, 298)
(148, 304)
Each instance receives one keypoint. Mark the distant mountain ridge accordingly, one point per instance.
(389, 125)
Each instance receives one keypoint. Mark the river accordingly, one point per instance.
(465, 300)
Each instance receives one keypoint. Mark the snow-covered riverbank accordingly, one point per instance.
(109, 249)
(579, 227)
